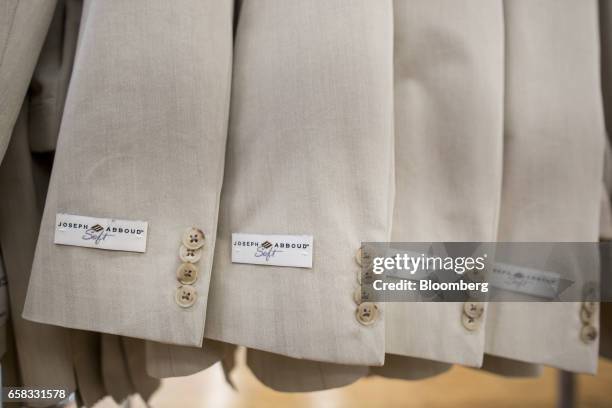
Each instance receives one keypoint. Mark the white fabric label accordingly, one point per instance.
(102, 233)
(272, 249)
(524, 280)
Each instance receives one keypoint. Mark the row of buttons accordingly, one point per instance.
(190, 253)
(361, 256)
(367, 312)
(473, 310)
(588, 334)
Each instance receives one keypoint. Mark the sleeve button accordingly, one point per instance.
(193, 238)
(187, 273)
(473, 309)
(588, 334)
(470, 323)
(185, 296)
(367, 313)
(190, 255)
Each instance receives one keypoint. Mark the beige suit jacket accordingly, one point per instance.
(448, 122)
(299, 129)
(553, 162)
(545, 199)
(144, 137)
(43, 351)
(553, 321)
(315, 117)
(50, 356)
(23, 26)
(144, 123)
(425, 76)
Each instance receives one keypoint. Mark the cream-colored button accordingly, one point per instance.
(190, 255)
(473, 309)
(362, 256)
(589, 306)
(365, 276)
(470, 323)
(187, 273)
(185, 296)
(586, 316)
(475, 275)
(357, 295)
(588, 334)
(367, 313)
(193, 238)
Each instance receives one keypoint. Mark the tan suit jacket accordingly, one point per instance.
(425, 76)
(172, 75)
(453, 225)
(553, 161)
(144, 137)
(23, 26)
(311, 133)
(46, 355)
(191, 121)
(448, 122)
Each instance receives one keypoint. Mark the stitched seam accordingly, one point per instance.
(224, 129)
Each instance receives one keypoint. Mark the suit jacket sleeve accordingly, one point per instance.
(23, 26)
(142, 138)
(553, 117)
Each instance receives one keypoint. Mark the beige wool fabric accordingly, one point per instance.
(23, 26)
(309, 133)
(43, 351)
(50, 356)
(300, 128)
(553, 164)
(141, 139)
(446, 66)
(347, 120)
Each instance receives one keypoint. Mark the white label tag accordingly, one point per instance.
(102, 233)
(272, 249)
(524, 280)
